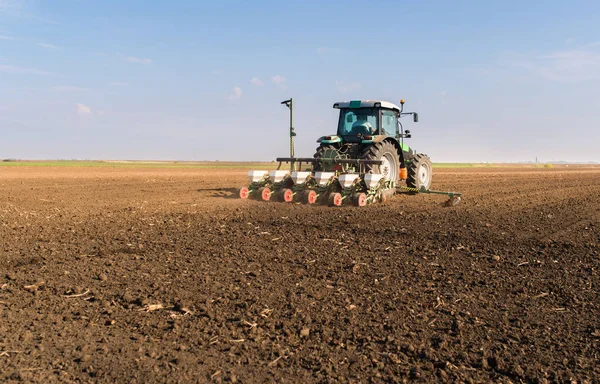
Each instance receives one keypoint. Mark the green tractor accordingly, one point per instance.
(371, 130)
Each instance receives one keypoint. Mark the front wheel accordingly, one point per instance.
(420, 172)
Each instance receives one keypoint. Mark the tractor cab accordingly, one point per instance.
(367, 118)
(364, 120)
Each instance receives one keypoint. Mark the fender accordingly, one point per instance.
(380, 138)
(332, 139)
(403, 149)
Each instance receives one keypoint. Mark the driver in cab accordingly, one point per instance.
(362, 126)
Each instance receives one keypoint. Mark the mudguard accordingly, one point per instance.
(332, 139)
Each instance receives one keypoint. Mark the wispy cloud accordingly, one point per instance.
(344, 87)
(5, 37)
(118, 84)
(69, 88)
(256, 81)
(278, 79)
(10, 5)
(236, 93)
(83, 110)
(138, 60)
(23, 10)
(321, 51)
(566, 66)
(46, 45)
(15, 70)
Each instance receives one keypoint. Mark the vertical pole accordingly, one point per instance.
(290, 104)
(292, 133)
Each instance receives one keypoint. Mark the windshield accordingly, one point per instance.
(358, 120)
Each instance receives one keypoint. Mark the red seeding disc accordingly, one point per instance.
(361, 200)
(243, 193)
(335, 199)
(288, 195)
(311, 197)
(265, 193)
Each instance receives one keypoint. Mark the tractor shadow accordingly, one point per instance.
(224, 193)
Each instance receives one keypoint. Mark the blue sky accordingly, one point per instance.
(202, 80)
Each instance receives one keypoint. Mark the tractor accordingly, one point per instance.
(362, 164)
(371, 130)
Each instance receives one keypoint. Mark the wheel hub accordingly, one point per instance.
(423, 174)
(387, 169)
(384, 168)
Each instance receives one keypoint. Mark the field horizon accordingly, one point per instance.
(244, 164)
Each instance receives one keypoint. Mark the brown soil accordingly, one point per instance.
(158, 275)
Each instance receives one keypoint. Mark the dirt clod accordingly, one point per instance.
(305, 332)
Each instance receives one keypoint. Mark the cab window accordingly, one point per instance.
(358, 121)
(389, 122)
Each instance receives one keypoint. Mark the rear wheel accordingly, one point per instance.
(420, 172)
(388, 154)
(325, 151)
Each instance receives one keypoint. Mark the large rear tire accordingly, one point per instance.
(386, 152)
(420, 172)
(320, 153)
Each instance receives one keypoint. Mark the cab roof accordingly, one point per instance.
(366, 104)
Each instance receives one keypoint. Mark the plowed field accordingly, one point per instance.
(159, 275)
